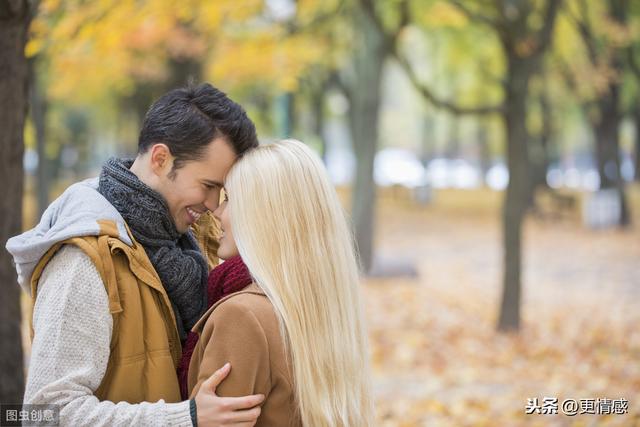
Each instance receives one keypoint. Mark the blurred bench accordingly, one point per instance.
(555, 205)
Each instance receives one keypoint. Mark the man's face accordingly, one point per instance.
(195, 187)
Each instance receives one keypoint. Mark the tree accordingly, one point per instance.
(606, 51)
(15, 16)
(246, 51)
(636, 121)
(524, 30)
(82, 65)
(363, 91)
(634, 68)
(38, 112)
(540, 150)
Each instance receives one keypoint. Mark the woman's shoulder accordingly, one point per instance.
(251, 302)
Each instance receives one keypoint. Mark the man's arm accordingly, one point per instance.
(237, 337)
(70, 352)
(71, 346)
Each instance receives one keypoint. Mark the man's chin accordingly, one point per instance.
(183, 228)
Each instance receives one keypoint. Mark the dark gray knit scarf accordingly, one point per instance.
(176, 258)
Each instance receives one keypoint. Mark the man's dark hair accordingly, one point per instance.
(189, 118)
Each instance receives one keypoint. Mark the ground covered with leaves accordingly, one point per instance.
(437, 359)
(436, 356)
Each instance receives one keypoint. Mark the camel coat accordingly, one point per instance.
(243, 329)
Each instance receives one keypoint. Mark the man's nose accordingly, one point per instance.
(211, 203)
(217, 212)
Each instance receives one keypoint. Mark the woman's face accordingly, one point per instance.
(228, 246)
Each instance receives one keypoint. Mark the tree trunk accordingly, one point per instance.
(453, 139)
(604, 133)
(606, 124)
(364, 96)
(286, 114)
(427, 140)
(317, 109)
(520, 68)
(182, 71)
(140, 100)
(637, 136)
(539, 153)
(38, 108)
(517, 195)
(14, 21)
(606, 129)
(484, 152)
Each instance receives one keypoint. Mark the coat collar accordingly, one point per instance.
(253, 288)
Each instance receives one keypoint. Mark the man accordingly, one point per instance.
(117, 277)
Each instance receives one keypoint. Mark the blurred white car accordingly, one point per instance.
(397, 166)
(454, 173)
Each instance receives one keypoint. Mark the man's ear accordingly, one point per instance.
(161, 159)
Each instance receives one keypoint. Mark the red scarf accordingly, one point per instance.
(229, 277)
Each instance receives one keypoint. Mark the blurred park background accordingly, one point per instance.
(488, 152)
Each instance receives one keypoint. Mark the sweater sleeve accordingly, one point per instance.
(70, 350)
(237, 337)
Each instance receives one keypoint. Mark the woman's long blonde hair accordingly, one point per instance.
(292, 234)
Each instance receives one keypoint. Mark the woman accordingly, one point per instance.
(295, 334)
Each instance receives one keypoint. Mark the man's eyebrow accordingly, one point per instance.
(213, 183)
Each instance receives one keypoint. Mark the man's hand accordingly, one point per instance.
(217, 411)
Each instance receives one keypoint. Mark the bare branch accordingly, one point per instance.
(632, 60)
(392, 41)
(546, 32)
(368, 8)
(405, 16)
(335, 80)
(567, 75)
(575, 20)
(428, 94)
(582, 25)
(294, 27)
(475, 16)
(570, 80)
